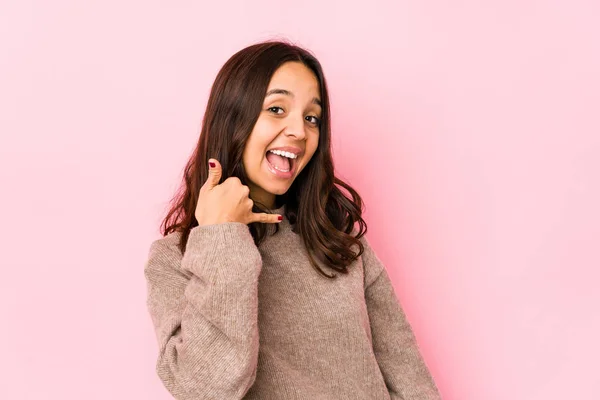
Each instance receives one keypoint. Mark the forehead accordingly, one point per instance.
(296, 77)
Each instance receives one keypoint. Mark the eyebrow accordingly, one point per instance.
(288, 93)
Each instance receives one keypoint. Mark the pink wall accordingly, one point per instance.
(471, 129)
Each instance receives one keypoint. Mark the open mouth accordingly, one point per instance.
(281, 165)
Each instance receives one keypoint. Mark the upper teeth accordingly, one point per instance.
(283, 153)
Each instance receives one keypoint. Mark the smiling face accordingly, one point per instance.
(290, 117)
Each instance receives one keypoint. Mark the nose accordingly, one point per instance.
(295, 127)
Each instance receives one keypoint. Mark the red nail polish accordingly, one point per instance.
(212, 164)
(280, 217)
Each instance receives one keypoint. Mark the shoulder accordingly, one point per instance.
(164, 253)
(169, 244)
(372, 265)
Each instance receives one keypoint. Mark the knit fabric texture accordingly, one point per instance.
(237, 321)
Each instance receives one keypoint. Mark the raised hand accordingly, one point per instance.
(227, 202)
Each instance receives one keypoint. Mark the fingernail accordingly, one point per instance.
(280, 217)
(212, 164)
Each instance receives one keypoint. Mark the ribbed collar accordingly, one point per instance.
(280, 210)
(285, 224)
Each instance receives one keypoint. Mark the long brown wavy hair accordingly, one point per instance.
(315, 206)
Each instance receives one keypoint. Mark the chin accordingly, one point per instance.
(277, 189)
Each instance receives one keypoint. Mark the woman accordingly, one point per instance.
(261, 287)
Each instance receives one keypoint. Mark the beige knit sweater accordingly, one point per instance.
(237, 321)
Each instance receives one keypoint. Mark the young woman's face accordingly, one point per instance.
(290, 117)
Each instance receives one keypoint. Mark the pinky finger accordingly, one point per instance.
(267, 218)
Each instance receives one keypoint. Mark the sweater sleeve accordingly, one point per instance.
(394, 344)
(204, 308)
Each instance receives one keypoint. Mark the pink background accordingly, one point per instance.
(471, 129)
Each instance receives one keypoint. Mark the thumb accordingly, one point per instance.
(214, 173)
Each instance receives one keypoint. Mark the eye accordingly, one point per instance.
(317, 121)
(274, 107)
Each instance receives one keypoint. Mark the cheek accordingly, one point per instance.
(311, 155)
(313, 146)
(253, 157)
(249, 159)
(259, 140)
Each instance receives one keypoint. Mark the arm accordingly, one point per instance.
(204, 307)
(394, 343)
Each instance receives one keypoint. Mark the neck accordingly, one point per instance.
(262, 197)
